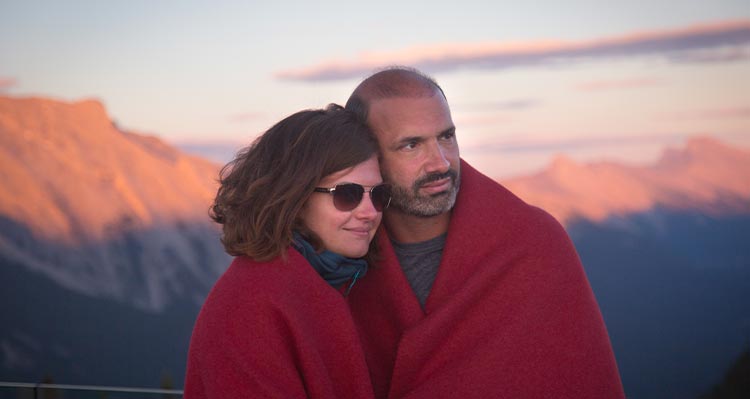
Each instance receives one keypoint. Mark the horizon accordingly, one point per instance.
(616, 82)
(223, 151)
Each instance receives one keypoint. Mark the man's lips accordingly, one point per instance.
(438, 186)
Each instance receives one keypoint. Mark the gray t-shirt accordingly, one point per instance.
(420, 262)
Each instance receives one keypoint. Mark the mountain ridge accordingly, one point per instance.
(103, 211)
(62, 160)
(706, 174)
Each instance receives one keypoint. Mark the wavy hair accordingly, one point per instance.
(264, 188)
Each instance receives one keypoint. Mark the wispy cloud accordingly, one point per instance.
(492, 145)
(616, 84)
(218, 150)
(491, 112)
(722, 54)
(484, 119)
(717, 42)
(7, 83)
(732, 112)
(507, 105)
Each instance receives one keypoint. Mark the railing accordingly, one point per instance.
(19, 390)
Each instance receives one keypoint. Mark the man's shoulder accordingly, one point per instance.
(484, 201)
(482, 191)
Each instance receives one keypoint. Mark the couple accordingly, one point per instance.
(465, 291)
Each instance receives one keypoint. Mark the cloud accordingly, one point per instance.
(722, 54)
(221, 151)
(492, 145)
(507, 105)
(725, 113)
(490, 113)
(469, 120)
(614, 84)
(7, 83)
(737, 112)
(718, 42)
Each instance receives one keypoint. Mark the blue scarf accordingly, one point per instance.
(334, 268)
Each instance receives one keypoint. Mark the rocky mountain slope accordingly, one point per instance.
(102, 211)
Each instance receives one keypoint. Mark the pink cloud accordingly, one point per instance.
(481, 120)
(491, 113)
(504, 145)
(508, 105)
(719, 113)
(7, 83)
(612, 84)
(687, 44)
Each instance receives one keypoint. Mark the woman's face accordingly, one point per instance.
(346, 233)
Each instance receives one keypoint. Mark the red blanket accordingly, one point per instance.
(510, 315)
(274, 330)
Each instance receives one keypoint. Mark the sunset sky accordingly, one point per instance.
(525, 80)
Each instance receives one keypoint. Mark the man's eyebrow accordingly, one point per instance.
(407, 140)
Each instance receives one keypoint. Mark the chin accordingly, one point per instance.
(356, 253)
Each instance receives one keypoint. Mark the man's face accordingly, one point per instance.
(420, 153)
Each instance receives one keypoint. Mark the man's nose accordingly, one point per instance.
(436, 159)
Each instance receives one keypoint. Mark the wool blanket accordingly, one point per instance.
(510, 315)
(275, 330)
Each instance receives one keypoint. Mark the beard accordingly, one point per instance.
(409, 201)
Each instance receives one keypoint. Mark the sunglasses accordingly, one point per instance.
(347, 196)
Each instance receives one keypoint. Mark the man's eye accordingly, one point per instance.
(448, 135)
(410, 145)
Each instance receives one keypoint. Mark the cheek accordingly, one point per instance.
(323, 220)
(455, 155)
(313, 215)
(398, 171)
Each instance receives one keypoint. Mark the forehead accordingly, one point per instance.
(409, 116)
(366, 173)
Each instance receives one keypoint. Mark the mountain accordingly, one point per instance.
(101, 211)
(707, 175)
(665, 249)
(106, 248)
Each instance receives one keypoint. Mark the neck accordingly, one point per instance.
(409, 228)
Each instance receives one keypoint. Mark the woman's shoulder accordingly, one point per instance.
(282, 284)
(247, 277)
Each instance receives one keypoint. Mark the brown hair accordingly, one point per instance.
(264, 188)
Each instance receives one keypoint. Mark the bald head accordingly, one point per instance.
(390, 83)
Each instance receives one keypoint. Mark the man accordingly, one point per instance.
(478, 295)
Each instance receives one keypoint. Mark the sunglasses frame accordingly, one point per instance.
(332, 191)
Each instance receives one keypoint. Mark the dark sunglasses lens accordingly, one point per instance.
(381, 196)
(347, 196)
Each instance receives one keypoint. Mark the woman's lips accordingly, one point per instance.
(360, 232)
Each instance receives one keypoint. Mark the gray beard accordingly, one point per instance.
(410, 202)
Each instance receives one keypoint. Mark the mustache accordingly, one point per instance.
(434, 177)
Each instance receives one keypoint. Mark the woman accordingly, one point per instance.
(299, 210)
